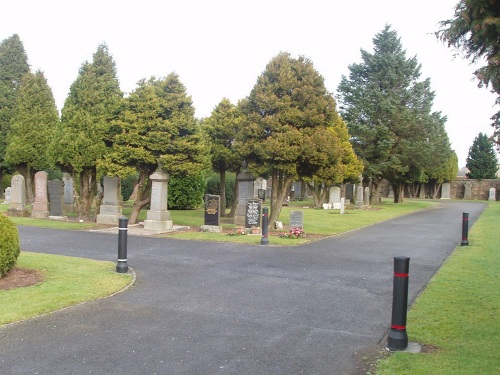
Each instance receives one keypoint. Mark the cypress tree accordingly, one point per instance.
(482, 160)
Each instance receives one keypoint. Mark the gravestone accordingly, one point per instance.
(253, 214)
(422, 191)
(55, 198)
(245, 191)
(8, 195)
(259, 184)
(342, 206)
(212, 214)
(41, 205)
(68, 197)
(349, 192)
(468, 191)
(492, 195)
(445, 190)
(158, 217)
(261, 194)
(110, 210)
(359, 195)
(366, 196)
(296, 219)
(334, 198)
(391, 192)
(17, 206)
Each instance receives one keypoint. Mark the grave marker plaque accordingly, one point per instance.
(261, 193)
(212, 210)
(253, 213)
(296, 219)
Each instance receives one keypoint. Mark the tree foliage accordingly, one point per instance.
(156, 128)
(86, 130)
(13, 66)
(389, 113)
(482, 161)
(289, 118)
(475, 29)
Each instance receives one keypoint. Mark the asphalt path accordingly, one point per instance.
(220, 308)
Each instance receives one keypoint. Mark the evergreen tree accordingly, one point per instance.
(388, 113)
(482, 161)
(157, 128)
(221, 129)
(13, 66)
(289, 117)
(34, 120)
(86, 130)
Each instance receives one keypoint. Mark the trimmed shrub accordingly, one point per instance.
(186, 192)
(9, 244)
(127, 186)
(213, 187)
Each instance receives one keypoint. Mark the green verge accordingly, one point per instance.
(67, 281)
(457, 316)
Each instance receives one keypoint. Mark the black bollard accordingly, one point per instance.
(122, 265)
(398, 338)
(265, 226)
(465, 229)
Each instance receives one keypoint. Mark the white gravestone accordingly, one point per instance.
(158, 217)
(334, 198)
(445, 190)
(8, 195)
(18, 196)
(342, 206)
(492, 195)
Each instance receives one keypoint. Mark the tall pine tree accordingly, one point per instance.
(34, 120)
(13, 66)
(86, 130)
(482, 161)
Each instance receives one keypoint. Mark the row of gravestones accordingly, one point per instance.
(446, 189)
(50, 196)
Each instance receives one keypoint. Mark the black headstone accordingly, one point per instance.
(261, 193)
(253, 213)
(212, 210)
(55, 190)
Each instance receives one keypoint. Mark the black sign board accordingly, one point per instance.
(253, 213)
(212, 210)
(297, 219)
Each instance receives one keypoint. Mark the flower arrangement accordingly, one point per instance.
(237, 232)
(294, 233)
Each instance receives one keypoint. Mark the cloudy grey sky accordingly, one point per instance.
(219, 47)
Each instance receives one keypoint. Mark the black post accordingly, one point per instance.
(265, 226)
(122, 265)
(465, 229)
(398, 338)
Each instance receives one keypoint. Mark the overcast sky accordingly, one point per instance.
(220, 47)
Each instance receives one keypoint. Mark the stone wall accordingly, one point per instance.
(479, 188)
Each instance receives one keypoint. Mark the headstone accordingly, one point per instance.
(17, 206)
(253, 213)
(261, 194)
(296, 219)
(366, 196)
(342, 206)
(468, 191)
(335, 197)
(492, 195)
(110, 210)
(422, 191)
(158, 217)
(245, 191)
(55, 198)
(68, 197)
(349, 192)
(359, 195)
(259, 183)
(40, 208)
(445, 190)
(297, 190)
(8, 195)
(391, 192)
(212, 214)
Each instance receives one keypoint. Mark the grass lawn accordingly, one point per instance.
(458, 313)
(67, 281)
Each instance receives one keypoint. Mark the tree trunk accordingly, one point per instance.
(236, 194)
(143, 196)
(281, 184)
(319, 194)
(375, 191)
(398, 192)
(222, 193)
(87, 188)
(25, 171)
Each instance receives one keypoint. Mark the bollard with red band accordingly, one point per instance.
(398, 338)
(465, 229)
(265, 226)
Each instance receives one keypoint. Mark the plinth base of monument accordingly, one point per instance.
(211, 228)
(158, 225)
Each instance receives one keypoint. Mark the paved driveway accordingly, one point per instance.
(214, 308)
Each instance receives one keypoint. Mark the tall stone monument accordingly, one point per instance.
(55, 198)
(68, 197)
(158, 217)
(359, 195)
(17, 206)
(110, 210)
(245, 191)
(41, 205)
